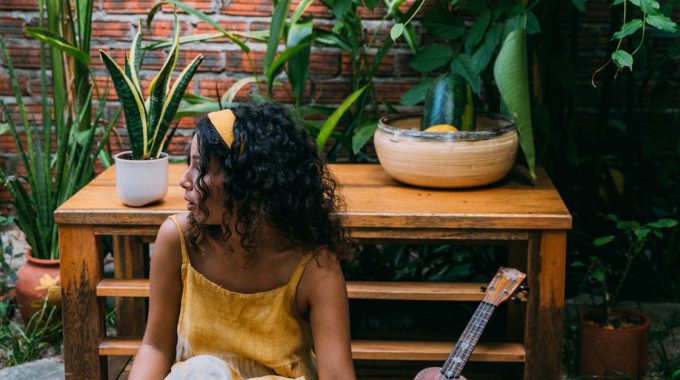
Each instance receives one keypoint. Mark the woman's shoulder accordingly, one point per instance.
(168, 234)
(323, 265)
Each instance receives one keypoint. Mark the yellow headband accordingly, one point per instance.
(223, 121)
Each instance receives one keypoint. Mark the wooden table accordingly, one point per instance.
(532, 220)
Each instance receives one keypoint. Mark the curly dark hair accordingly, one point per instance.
(273, 174)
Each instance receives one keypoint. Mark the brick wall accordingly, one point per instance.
(585, 37)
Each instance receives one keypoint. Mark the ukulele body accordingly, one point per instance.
(433, 373)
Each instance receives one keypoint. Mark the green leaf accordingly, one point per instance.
(642, 233)
(370, 4)
(663, 223)
(362, 134)
(417, 93)
(161, 44)
(396, 31)
(482, 56)
(298, 63)
(333, 120)
(160, 83)
(201, 16)
(58, 42)
(278, 21)
(626, 225)
(533, 26)
(277, 65)
(510, 73)
(628, 28)
(432, 57)
(598, 275)
(650, 7)
(462, 65)
(477, 31)
(443, 25)
(133, 105)
(662, 22)
(603, 240)
(171, 104)
(622, 59)
(340, 8)
(579, 4)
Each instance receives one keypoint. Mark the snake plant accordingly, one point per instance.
(147, 120)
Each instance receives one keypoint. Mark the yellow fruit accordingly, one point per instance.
(442, 128)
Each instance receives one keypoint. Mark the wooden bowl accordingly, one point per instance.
(449, 159)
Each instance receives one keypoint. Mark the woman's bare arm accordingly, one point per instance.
(157, 352)
(325, 290)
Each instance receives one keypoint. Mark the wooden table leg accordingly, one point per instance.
(82, 311)
(545, 306)
(517, 258)
(128, 254)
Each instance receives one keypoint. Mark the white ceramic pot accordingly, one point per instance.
(140, 182)
(446, 160)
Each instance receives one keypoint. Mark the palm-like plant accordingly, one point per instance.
(147, 121)
(54, 176)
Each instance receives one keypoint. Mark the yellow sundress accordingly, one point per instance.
(229, 335)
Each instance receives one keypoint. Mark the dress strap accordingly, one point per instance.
(181, 238)
(297, 274)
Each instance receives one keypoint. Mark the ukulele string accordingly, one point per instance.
(483, 305)
(473, 329)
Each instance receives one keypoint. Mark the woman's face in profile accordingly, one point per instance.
(214, 203)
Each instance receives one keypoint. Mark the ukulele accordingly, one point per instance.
(501, 287)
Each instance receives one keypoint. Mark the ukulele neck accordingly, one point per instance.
(463, 349)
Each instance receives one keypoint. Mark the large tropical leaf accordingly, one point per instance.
(333, 120)
(133, 105)
(171, 104)
(298, 64)
(58, 42)
(510, 73)
(278, 63)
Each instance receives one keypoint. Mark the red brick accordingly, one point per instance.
(386, 67)
(25, 56)
(143, 6)
(11, 27)
(162, 29)
(19, 5)
(6, 86)
(265, 8)
(213, 61)
(230, 26)
(391, 92)
(238, 62)
(214, 88)
(327, 92)
(111, 29)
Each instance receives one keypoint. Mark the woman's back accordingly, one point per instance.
(258, 333)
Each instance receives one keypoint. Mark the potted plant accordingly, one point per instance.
(450, 146)
(613, 339)
(70, 123)
(147, 121)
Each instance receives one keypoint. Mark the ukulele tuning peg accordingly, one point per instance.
(524, 288)
(516, 299)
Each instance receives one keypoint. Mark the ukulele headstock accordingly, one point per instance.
(504, 283)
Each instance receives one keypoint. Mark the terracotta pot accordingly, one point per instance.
(611, 351)
(36, 279)
(446, 160)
